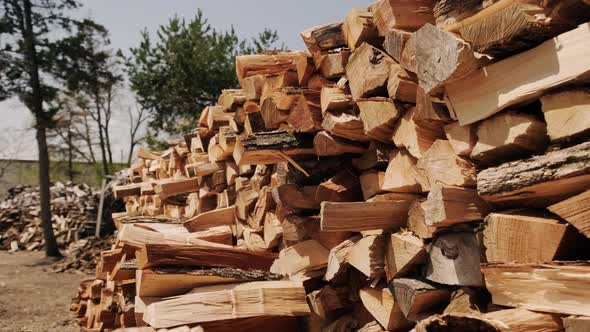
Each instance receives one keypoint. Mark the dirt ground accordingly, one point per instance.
(32, 299)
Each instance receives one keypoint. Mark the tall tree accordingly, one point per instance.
(185, 68)
(29, 30)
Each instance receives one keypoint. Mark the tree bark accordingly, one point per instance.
(103, 152)
(36, 106)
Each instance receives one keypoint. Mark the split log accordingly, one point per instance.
(566, 114)
(271, 148)
(441, 165)
(327, 145)
(448, 12)
(522, 238)
(363, 216)
(554, 63)
(216, 118)
(462, 138)
(224, 302)
(264, 64)
(405, 252)
(295, 197)
(301, 258)
(376, 156)
(272, 116)
(246, 198)
(170, 187)
(454, 259)
(367, 256)
(231, 98)
(345, 125)
(530, 24)
(337, 258)
(430, 111)
(395, 43)
(359, 28)
(417, 220)
(509, 135)
(332, 65)
(402, 85)
(218, 217)
(368, 71)
(527, 285)
(403, 15)
(541, 180)
(576, 324)
(418, 298)
(403, 176)
(252, 86)
(323, 37)
(416, 138)
(442, 58)
(273, 230)
(575, 211)
(227, 139)
(342, 187)
(448, 205)
(381, 304)
(335, 99)
(329, 301)
(306, 114)
(379, 116)
(154, 255)
(467, 300)
(371, 183)
(264, 204)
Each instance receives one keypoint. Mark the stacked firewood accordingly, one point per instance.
(424, 165)
(72, 205)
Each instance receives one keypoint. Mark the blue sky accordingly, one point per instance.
(126, 18)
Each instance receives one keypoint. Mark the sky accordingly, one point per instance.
(126, 18)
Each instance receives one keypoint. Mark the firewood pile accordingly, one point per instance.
(424, 165)
(20, 223)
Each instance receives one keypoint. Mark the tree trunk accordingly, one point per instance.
(105, 162)
(107, 122)
(70, 152)
(36, 106)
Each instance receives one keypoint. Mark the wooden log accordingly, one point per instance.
(576, 324)
(272, 116)
(509, 135)
(454, 259)
(522, 238)
(323, 37)
(317, 82)
(430, 111)
(271, 148)
(376, 156)
(367, 255)
(306, 114)
(337, 258)
(227, 139)
(402, 85)
(345, 126)
(467, 300)
(405, 252)
(395, 43)
(327, 145)
(332, 65)
(362, 216)
(231, 98)
(218, 217)
(264, 204)
(335, 99)
(368, 71)
(531, 24)
(359, 28)
(264, 64)
(329, 301)
(296, 197)
(541, 180)
(417, 220)
(403, 176)
(416, 138)
(575, 211)
(379, 116)
(448, 12)
(299, 228)
(440, 165)
(278, 81)
(225, 302)
(253, 241)
(132, 189)
(252, 86)
(566, 114)
(381, 304)
(246, 198)
(273, 230)
(404, 15)
(442, 58)
(461, 138)
(418, 298)
(342, 187)
(305, 68)
(371, 183)
(527, 285)
(170, 187)
(301, 258)
(216, 118)
(448, 205)
(154, 255)
(554, 63)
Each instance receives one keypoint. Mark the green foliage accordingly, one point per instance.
(185, 68)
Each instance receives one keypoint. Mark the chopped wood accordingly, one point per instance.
(170, 187)
(527, 285)
(447, 205)
(293, 196)
(417, 298)
(405, 252)
(132, 189)
(542, 180)
(337, 258)
(324, 37)
(448, 12)
(268, 63)
(252, 86)
(271, 148)
(566, 114)
(402, 85)
(345, 126)
(328, 145)
(379, 116)
(335, 99)
(231, 98)
(342, 187)
(363, 216)
(368, 71)
(381, 304)
(371, 183)
(508, 135)
(461, 138)
(440, 165)
(329, 301)
(367, 255)
(376, 156)
(332, 65)
(403, 15)
(576, 323)
(306, 114)
(273, 230)
(575, 211)
(218, 217)
(403, 176)
(359, 28)
(454, 259)
(303, 257)
(395, 42)
(416, 138)
(554, 63)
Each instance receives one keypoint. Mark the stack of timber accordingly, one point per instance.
(424, 165)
